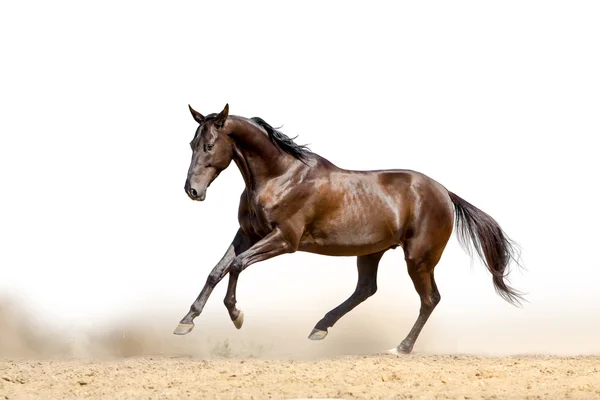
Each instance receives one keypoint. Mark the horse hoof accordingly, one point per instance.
(399, 351)
(239, 321)
(182, 329)
(393, 351)
(317, 334)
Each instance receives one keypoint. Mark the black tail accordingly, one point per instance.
(494, 248)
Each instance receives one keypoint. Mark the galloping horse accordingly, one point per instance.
(296, 200)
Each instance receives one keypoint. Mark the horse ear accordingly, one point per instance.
(220, 120)
(197, 116)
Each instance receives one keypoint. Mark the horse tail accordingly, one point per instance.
(494, 247)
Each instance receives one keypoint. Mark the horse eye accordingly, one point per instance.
(209, 146)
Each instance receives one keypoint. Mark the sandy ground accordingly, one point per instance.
(356, 377)
(140, 358)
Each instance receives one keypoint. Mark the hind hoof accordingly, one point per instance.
(394, 351)
(239, 321)
(183, 329)
(317, 334)
(399, 351)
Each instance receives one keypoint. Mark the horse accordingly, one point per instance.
(296, 200)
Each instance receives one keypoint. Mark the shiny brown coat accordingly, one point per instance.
(296, 200)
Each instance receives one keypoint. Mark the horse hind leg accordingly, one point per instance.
(421, 258)
(366, 287)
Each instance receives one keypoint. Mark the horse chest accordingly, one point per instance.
(256, 218)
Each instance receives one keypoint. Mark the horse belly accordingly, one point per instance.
(358, 214)
(353, 235)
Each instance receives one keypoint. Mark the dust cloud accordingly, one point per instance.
(264, 337)
(368, 329)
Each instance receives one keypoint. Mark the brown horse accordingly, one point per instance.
(295, 200)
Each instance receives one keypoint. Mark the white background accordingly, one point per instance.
(499, 102)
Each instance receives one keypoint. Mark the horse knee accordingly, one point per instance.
(236, 266)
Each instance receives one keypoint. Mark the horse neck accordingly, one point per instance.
(256, 157)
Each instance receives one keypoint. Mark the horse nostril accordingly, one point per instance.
(193, 192)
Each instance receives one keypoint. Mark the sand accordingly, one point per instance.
(355, 377)
(142, 359)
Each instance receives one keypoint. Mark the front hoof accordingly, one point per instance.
(239, 321)
(183, 329)
(317, 334)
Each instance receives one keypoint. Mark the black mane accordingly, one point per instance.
(285, 143)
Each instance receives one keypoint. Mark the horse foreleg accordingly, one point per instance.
(365, 288)
(240, 244)
(272, 245)
(230, 301)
